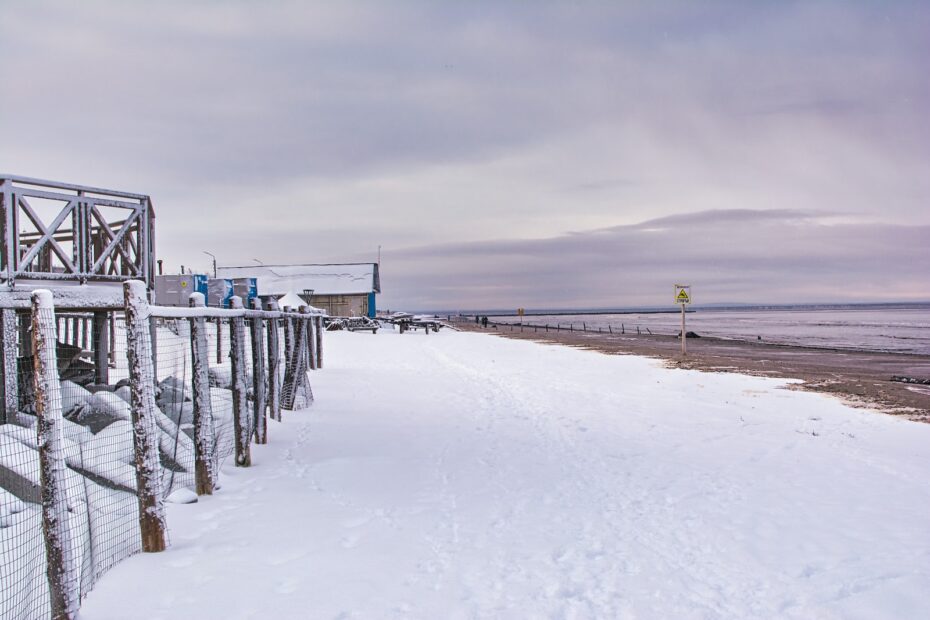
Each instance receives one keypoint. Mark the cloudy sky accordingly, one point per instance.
(502, 154)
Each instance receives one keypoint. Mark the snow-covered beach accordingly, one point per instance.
(461, 475)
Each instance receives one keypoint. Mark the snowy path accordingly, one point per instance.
(466, 476)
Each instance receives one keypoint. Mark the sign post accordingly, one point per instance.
(683, 297)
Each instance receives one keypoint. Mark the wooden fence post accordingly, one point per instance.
(274, 361)
(305, 359)
(84, 325)
(8, 350)
(204, 440)
(112, 316)
(288, 337)
(153, 334)
(101, 343)
(60, 567)
(143, 408)
(319, 341)
(311, 339)
(257, 329)
(315, 341)
(241, 415)
(219, 340)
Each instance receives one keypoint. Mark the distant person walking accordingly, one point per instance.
(484, 321)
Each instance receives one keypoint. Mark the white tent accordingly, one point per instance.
(291, 299)
(294, 301)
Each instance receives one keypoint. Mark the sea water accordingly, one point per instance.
(898, 329)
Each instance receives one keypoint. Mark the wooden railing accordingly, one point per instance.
(64, 232)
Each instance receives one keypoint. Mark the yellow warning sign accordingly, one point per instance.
(682, 294)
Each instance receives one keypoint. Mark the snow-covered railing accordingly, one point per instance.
(64, 232)
(96, 464)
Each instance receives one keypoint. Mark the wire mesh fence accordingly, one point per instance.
(220, 376)
(22, 572)
(92, 403)
(99, 479)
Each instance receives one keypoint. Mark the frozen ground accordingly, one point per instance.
(460, 475)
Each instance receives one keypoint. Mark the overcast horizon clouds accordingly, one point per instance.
(503, 154)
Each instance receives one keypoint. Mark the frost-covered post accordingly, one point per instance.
(143, 410)
(219, 340)
(101, 342)
(60, 567)
(258, 374)
(288, 335)
(241, 416)
(311, 339)
(204, 440)
(319, 341)
(314, 341)
(84, 325)
(308, 337)
(8, 350)
(274, 359)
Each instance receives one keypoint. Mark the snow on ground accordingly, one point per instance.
(460, 475)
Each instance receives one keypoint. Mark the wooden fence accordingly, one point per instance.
(580, 326)
(267, 393)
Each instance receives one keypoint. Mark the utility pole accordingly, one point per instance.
(214, 261)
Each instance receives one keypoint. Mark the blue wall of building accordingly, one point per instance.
(371, 306)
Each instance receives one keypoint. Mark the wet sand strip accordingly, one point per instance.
(860, 378)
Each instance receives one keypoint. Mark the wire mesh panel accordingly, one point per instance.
(275, 361)
(23, 585)
(295, 390)
(220, 373)
(174, 398)
(100, 484)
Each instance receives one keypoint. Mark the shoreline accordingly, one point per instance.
(859, 378)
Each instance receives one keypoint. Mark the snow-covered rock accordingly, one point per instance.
(75, 432)
(115, 443)
(108, 457)
(175, 401)
(103, 408)
(180, 413)
(23, 435)
(172, 382)
(220, 376)
(73, 399)
(124, 392)
(182, 496)
(12, 509)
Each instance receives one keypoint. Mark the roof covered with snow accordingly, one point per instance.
(328, 279)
